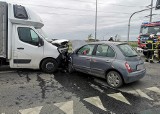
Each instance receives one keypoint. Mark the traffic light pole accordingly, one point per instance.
(129, 22)
(96, 23)
(151, 11)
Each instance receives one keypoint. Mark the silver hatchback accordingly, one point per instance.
(117, 62)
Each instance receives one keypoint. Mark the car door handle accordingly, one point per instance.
(108, 61)
(88, 58)
(20, 48)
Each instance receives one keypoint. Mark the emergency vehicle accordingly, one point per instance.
(147, 28)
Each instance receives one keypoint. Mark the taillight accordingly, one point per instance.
(128, 67)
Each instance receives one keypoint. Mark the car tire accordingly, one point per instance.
(114, 79)
(49, 65)
(70, 68)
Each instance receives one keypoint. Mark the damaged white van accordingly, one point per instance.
(21, 43)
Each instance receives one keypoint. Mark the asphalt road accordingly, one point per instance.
(34, 92)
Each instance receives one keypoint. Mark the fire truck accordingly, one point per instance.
(147, 28)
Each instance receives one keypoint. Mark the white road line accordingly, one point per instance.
(138, 92)
(67, 107)
(120, 97)
(96, 102)
(154, 89)
(35, 110)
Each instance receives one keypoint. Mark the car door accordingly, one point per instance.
(27, 48)
(102, 60)
(82, 58)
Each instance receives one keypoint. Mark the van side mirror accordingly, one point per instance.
(41, 42)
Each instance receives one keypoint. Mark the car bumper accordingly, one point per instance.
(134, 76)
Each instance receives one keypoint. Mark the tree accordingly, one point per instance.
(117, 38)
(90, 37)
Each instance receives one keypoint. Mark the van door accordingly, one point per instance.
(29, 53)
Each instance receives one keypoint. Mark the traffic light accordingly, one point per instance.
(158, 4)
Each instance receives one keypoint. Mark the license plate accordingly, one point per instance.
(140, 67)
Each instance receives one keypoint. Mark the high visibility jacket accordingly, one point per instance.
(158, 45)
(150, 42)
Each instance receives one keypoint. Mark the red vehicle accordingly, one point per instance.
(146, 29)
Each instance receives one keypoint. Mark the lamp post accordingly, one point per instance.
(96, 23)
(129, 22)
(151, 11)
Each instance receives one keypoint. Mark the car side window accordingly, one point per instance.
(102, 50)
(110, 52)
(28, 35)
(86, 50)
(105, 51)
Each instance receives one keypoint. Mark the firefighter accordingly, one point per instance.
(150, 47)
(158, 49)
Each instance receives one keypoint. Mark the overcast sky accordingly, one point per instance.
(75, 19)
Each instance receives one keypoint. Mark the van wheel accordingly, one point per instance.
(70, 68)
(49, 65)
(114, 79)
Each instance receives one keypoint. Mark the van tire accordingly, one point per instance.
(49, 65)
(112, 77)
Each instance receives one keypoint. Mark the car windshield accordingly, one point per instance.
(127, 50)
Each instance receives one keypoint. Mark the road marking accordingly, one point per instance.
(120, 97)
(35, 110)
(154, 89)
(2, 113)
(138, 92)
(96, 102)
(67, 107)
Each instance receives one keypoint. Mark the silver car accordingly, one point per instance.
(117, 62)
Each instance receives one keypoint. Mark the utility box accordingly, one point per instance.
(3, 29)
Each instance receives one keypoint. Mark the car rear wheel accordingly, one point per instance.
(114, 79)
(49, 65)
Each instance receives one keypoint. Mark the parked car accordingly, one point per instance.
(117, 62)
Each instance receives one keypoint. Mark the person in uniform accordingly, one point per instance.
(111, 39)
(158, 49)
(150, 47)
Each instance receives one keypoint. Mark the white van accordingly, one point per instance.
(21, 43)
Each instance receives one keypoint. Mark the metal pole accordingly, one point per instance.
(96, 23)
(129, 22)
(151, 11)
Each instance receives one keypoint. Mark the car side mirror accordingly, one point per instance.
(75, 51)
(41, 42)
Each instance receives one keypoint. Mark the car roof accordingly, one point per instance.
(108, 42)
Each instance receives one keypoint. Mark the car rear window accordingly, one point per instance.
(127, 50)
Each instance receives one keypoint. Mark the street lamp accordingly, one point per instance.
(130, 20)
(96, 23)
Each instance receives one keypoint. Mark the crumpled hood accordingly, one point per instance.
(77, 44)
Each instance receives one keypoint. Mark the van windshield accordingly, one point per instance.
(42, 33)
(127, 50)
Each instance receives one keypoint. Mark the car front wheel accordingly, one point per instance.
(114, 79)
